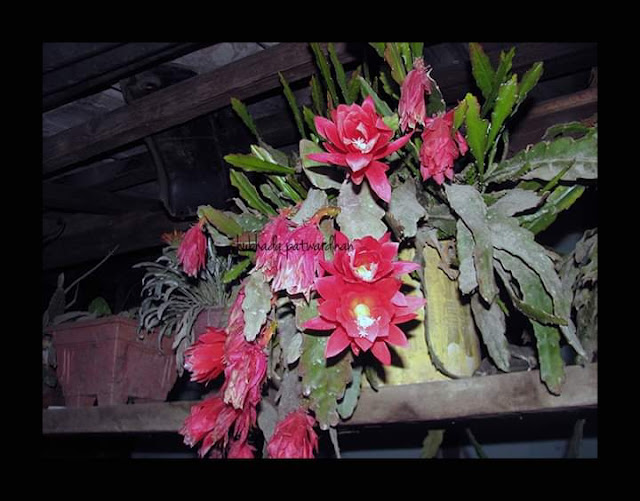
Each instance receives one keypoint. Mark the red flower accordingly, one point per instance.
(412, 108)
(245, 371)
(363, 315)
(193, 249)
(245, 363)
(236, 317)
(300, 262)
(240, 450)
(294, 437)
(356, 139)
(366, 259)
(270, 243)
(209, 421)
(204, 359)
(440, 147)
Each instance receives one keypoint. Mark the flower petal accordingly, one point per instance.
(329, 286)
(377, 177)
(318, 324)
(328, 267)
(394, 146)
(399, 299)
(390, 250)
(357, 161)
(337, 342)
(396, 336)
(329, 158)
(381, 351)
(327, 129)
(361, 342)
(328, 309)
(369, 106)
(402, 267)
(357, 177)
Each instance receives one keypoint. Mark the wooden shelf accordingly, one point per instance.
(478, 397)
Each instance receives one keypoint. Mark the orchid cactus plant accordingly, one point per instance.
(315, 239)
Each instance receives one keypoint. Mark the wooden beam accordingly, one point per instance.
(180, 103)
(99, 69)
(131, 231)
(461, 399)
(455, 79)
(113, 175)
(64, 197)
(570, 108)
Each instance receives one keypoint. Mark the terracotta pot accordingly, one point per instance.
(104, 360)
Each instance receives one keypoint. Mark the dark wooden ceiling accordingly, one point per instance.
(107, 106)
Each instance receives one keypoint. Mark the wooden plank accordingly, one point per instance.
(570, 108)
(131, 231)
(95, 201)
(471, 398)
(477, 397)
(113, 175)
(455, 79)
(180, 103)
(100, 70)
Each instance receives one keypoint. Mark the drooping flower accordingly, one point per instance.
(245, 372)
(245, 362)
(294, 437)
(235, 325)
(440, 147)
(245, 421)
(204, 359)
(193, 249)
(300, 262)
(271, 243)
(363, 315)
(209, 422)
(412, 107)
(240, 450)
(366, 259)
(356, 138)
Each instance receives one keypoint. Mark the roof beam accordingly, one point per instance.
(180, 103)
(63, 197)
(96, 69)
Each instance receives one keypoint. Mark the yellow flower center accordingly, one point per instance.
(366, 272)
(363, 318)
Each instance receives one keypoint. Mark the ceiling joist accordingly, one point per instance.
(180, 103)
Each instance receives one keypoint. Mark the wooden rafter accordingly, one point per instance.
(180, 103)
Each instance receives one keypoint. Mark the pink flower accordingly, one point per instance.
(294, 437)
(193, 249)
(412, 108)
(366, 259)
(363, 315)
(356, 139)
(270, 242)
(209, 422)
(245, 372)
(245, 421)
(440, 147)
(240, 450)
(235, 325)
(300, 262)
(204, 359)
